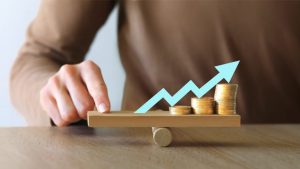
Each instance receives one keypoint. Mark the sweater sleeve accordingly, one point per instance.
(61, 33)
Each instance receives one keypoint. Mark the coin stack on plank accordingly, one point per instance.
(225, 97)
(204, 106)
(180, 110)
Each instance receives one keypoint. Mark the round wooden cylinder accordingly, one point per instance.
(162, 136)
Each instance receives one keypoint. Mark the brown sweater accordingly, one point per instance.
(164, 44)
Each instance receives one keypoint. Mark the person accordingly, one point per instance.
(163, 44)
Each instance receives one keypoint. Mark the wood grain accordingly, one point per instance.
(160, 119)
(250, 146)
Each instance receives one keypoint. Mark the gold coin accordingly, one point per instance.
(226, 91)
(226, 112)
(180, 110)
(225, 96)
(203, 105)
(203, 111)
(205, 101)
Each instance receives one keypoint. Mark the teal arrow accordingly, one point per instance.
(226, 72)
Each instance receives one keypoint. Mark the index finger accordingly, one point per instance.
(92, 77)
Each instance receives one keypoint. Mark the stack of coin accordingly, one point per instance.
(203, 105)
(180, 110)
(225, 97)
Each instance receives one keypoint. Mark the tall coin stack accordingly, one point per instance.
(204, 106)
(225, 97)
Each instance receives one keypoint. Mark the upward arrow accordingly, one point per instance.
(226, 72)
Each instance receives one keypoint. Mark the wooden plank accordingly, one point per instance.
(160, 119)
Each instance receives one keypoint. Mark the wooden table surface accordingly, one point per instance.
(251, 146)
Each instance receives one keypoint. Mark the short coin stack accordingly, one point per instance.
(180, 110)
(225, 97)
(203, 105)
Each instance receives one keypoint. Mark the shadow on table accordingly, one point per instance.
(106, 136)
(78, 130)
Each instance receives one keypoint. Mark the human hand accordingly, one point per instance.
(74, 90)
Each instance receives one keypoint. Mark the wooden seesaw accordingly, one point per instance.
(160, 121)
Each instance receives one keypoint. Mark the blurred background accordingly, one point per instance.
(15, 16)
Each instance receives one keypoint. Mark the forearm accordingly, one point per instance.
(60, 34)
(28, 75)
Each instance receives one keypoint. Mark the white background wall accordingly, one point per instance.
(15, 15)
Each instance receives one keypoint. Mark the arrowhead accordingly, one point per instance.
(227, 70)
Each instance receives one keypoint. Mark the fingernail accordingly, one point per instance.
(102, 108)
